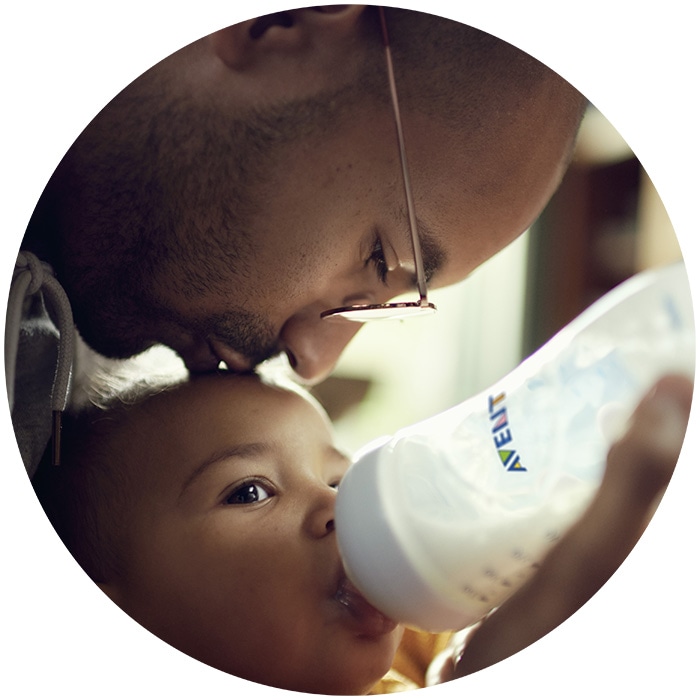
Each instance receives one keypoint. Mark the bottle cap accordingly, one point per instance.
(377, 562)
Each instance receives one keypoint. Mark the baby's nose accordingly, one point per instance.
(321, 517)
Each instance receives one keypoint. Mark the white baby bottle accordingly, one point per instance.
(440, 523)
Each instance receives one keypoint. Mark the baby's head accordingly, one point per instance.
(205, 511)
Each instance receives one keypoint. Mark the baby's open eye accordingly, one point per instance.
(251, 492)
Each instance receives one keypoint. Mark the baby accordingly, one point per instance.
(205, 511)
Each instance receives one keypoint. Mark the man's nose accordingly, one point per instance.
(314, 345)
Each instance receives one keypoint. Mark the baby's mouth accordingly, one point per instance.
(365, 619)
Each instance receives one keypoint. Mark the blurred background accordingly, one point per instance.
(605, 223)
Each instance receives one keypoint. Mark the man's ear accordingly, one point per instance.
(287, 34)
(111, 591)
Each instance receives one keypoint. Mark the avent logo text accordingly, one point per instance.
(502, 437)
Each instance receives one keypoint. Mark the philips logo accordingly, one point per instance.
(502, 437)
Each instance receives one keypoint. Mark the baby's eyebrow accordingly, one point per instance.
(248, 449)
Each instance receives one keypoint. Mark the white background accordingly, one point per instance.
(62, 61)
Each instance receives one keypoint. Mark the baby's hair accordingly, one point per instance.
(89, 496)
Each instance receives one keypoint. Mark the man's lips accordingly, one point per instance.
(200, 359)
(207, 355)
(364, 619)
(233, 359)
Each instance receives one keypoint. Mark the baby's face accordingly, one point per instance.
(232, 555)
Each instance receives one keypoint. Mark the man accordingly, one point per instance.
(251, 181)
(152, 256)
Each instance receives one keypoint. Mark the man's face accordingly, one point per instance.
(330, 229)
(231, 552)
(320, 222)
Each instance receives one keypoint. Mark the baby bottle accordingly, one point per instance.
(440, 523)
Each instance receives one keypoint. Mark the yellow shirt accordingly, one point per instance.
(416, 651)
